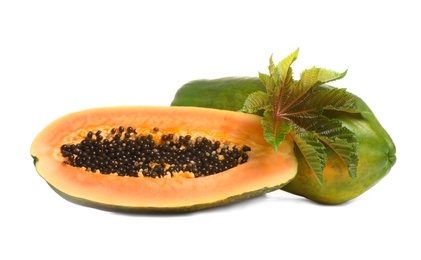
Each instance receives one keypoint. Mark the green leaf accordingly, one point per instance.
(275, 129)
(334, 99)
(310, 79)
(346, 153)
(255, 102)
(312, 150)
(296, 108)
(341, 141)
(316, 76)
(284, 68)
(268, 82)
(273, 71)
(335, 136)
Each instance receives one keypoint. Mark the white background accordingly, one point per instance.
(57, 57)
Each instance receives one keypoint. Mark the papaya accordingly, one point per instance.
(376, 149)
(159, 159)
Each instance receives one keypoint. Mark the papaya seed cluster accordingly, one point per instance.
(127, 153)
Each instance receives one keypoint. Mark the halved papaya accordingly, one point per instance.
(69, 155)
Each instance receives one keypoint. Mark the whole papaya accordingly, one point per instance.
(376, 150)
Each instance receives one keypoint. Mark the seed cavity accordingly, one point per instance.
(124, 152)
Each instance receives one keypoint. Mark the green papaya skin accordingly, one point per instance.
(376, 149)
(224, 93)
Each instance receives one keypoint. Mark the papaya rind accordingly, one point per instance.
(201, 93)
(163, 210)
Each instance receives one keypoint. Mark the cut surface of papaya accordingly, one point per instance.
(160, 159)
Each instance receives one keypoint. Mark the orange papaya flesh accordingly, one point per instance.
(376, 152)
(264, 171)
